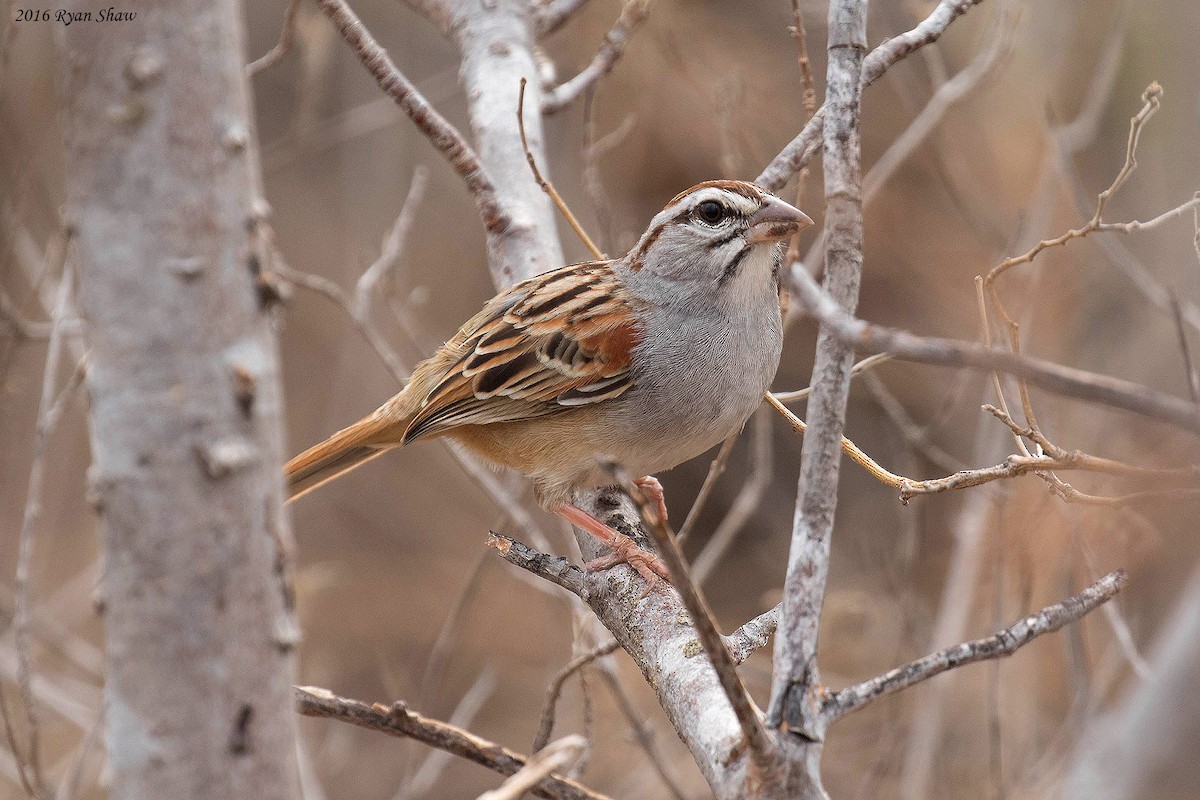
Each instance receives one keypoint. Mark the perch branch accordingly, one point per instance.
(762, 747)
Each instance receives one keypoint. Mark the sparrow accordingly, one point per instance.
(647, 360)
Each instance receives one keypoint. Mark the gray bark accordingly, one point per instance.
(795, 692)
(496, 39)
(164, 203)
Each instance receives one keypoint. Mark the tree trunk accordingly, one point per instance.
(164, 205)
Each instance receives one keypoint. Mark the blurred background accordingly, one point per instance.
(398, 597)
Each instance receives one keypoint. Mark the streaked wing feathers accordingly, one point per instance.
(562, 339)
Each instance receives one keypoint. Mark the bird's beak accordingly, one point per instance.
(775, 221)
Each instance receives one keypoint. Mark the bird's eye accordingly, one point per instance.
(710, 212)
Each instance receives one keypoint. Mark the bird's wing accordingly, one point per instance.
(562, 339)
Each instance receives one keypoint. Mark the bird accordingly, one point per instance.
(646, 360)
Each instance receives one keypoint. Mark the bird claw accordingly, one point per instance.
(654, 491)
(625, 551)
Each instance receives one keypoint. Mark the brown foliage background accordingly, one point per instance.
(710, 89)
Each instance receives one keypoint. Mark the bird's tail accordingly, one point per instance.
(342, 452)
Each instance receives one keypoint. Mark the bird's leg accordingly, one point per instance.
(624, 550)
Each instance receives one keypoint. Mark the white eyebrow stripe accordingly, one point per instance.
(739, 203)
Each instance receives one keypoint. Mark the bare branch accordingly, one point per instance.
(762, 747)
(800, 150)
(1114, 392)
(753, 635)
(809, 97)
(641, 729)
(546, 723)
(998, 645)
(548, 187)
(947, 95)
(633, 13)
(870, 362)
(399, 720)
(550, 15)
(556, 756)
(49, 411)
(448, 141)
(393, 245)
(795, 683)
(555, 569)
(286, 38)
(430, 771)
(754, 487)
(715, 469)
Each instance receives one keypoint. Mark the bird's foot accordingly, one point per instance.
(624, 550)
(654, 490)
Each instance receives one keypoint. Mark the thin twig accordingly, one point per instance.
(1185, 349)
(469, 705)
(1068, 381)
(593, 148)
(809, 98)
(393, 244)
(69, 786)
(49, 410)
(762, 747)
(801, 150)
(870, 362)
(21, 762)
(633, 13)
(441, 134)
(548, 187)
(918, 437)
(399, 720)
(852, 451)
(641, 730)
(754, 487)
(715, 469)
(286, 38)
(1002, 643)
(557, 756)
(546, 722)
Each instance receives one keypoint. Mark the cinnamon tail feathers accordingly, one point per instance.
(364, 440)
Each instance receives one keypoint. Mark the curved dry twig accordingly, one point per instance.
(633, 14)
